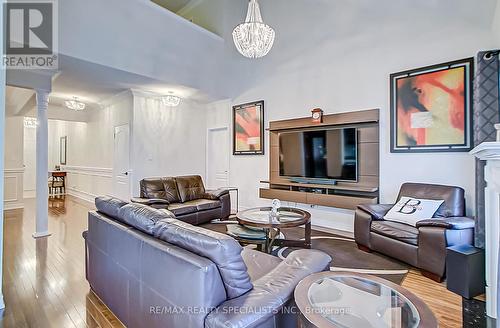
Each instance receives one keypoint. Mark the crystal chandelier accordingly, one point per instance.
(171, 100)
(253, 38)
(74, 104)
(30, 122)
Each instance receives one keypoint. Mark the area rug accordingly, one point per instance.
(344, 252)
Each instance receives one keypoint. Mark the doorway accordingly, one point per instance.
(121, 159)
(218, 157)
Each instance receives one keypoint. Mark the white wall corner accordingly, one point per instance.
(496, 25)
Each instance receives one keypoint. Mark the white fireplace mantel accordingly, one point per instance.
(490, 152)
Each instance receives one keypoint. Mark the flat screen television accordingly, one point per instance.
(326, 154)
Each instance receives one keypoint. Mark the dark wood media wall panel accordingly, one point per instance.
(344, 194)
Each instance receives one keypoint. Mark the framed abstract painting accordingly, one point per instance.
(248, 129)
(431, 108)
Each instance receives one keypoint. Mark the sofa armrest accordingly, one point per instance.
(150, 201)
(84, 235)
(215, 194)
(377, 211)
(270, 293)
(449, 223)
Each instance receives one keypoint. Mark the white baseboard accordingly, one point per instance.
(333, 231)
(88, 197)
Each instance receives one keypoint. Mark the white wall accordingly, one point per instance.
(13, 169)
(90, 147)
(350, 74)
(141, 37)
(167, 141)
(496, 25)
(163, 141)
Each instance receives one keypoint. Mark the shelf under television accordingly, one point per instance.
(353, 187)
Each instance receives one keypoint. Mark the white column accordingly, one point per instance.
(490, 152)
(42, 165)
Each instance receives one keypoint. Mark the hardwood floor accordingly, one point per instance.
(44, 281)
(447, 306)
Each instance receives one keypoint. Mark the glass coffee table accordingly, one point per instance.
(329, 299)
(271, 225)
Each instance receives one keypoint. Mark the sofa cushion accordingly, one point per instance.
(204, 204)
(182, 209)
(258, 263)
(143, 217)
(190, 187)
(109, 206)
(171, 192)
(153, 188)
(270, 294)
(223, 250)
(396, 230)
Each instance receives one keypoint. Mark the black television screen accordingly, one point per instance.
(319, 154)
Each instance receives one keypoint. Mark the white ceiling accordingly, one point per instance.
(173, 5)
(93, 84)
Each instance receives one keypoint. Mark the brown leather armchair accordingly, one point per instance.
(423, 246)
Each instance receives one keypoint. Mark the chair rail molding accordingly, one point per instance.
(490, 152)
(86, 182)
(88, 170)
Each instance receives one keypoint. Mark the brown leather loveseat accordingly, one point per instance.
(186, 198)
(423, 246)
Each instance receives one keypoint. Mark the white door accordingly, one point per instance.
(121, 170)
(217, 158)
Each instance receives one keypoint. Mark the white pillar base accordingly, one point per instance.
(41, 234)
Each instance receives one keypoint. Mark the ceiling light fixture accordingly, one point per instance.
(171, 100)
(74, 104)
(253, 38)
(30, 122)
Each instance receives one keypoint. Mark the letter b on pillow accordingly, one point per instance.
(411, 210)
(410, 206)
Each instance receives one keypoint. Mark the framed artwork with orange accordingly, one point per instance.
(248, 129)
(431, 108)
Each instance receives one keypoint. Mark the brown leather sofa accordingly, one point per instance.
(423, 246)
(186, 198)
(152, 271)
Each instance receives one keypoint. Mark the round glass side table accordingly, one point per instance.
(286, 217)
(345, 299)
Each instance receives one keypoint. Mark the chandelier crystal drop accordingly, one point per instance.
(253, 38)
(74, 104)
(30, 122)
(171, 100)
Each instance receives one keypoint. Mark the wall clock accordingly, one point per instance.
(317, 115)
